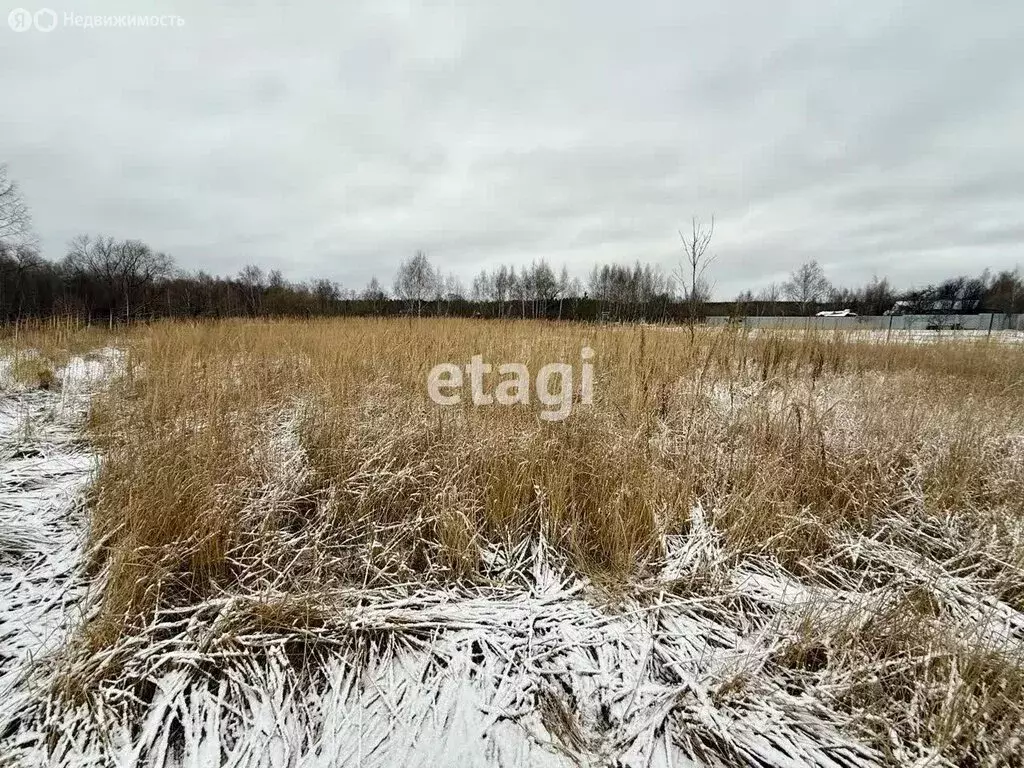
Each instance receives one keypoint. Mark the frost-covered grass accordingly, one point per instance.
(753, 549)
(45, 467)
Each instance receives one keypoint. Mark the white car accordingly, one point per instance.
(836, 313)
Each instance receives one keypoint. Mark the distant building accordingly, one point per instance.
(936, 307)
(901, 308)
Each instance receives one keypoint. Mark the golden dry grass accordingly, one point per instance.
(58, 338)
(792, 444)
(36, 349)
(785, 439)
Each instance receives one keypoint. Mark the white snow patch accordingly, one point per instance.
(532, 667)
(44, 468)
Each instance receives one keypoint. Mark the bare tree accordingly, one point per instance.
(23, 274)
(519, 285)
(807, 285)
(1006, 292)
(327, 294)
(879, 296)
(743, 304)
(504, 286)
(692, 267)
(543, 286)
(769, 297)
(275, 279)
(254, 284)
(452, 290)
(563, 287)
(483, 286)
(126, 269)
(15, 219)
(374, 291)
(416, 281)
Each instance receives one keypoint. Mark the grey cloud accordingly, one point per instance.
(335, 139)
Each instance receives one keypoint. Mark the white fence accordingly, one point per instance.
(982, 322)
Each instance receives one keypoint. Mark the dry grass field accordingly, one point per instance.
(835, 528)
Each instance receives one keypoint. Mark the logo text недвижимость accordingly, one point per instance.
(46, 20)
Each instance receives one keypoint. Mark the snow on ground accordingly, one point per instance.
(933, 337)
(534, 674)
(44, 469)
(536, 671)
(877, 336)
(903, 337)
(533, 666)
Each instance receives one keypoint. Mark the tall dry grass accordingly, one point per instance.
(32, 350)
(297, 456)
(785, 439)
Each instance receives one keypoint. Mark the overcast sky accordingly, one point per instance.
(335, 138)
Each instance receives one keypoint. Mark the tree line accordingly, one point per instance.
(105, 279)
(808, 290)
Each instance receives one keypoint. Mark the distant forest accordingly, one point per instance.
(102, 279)
(105, 279)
